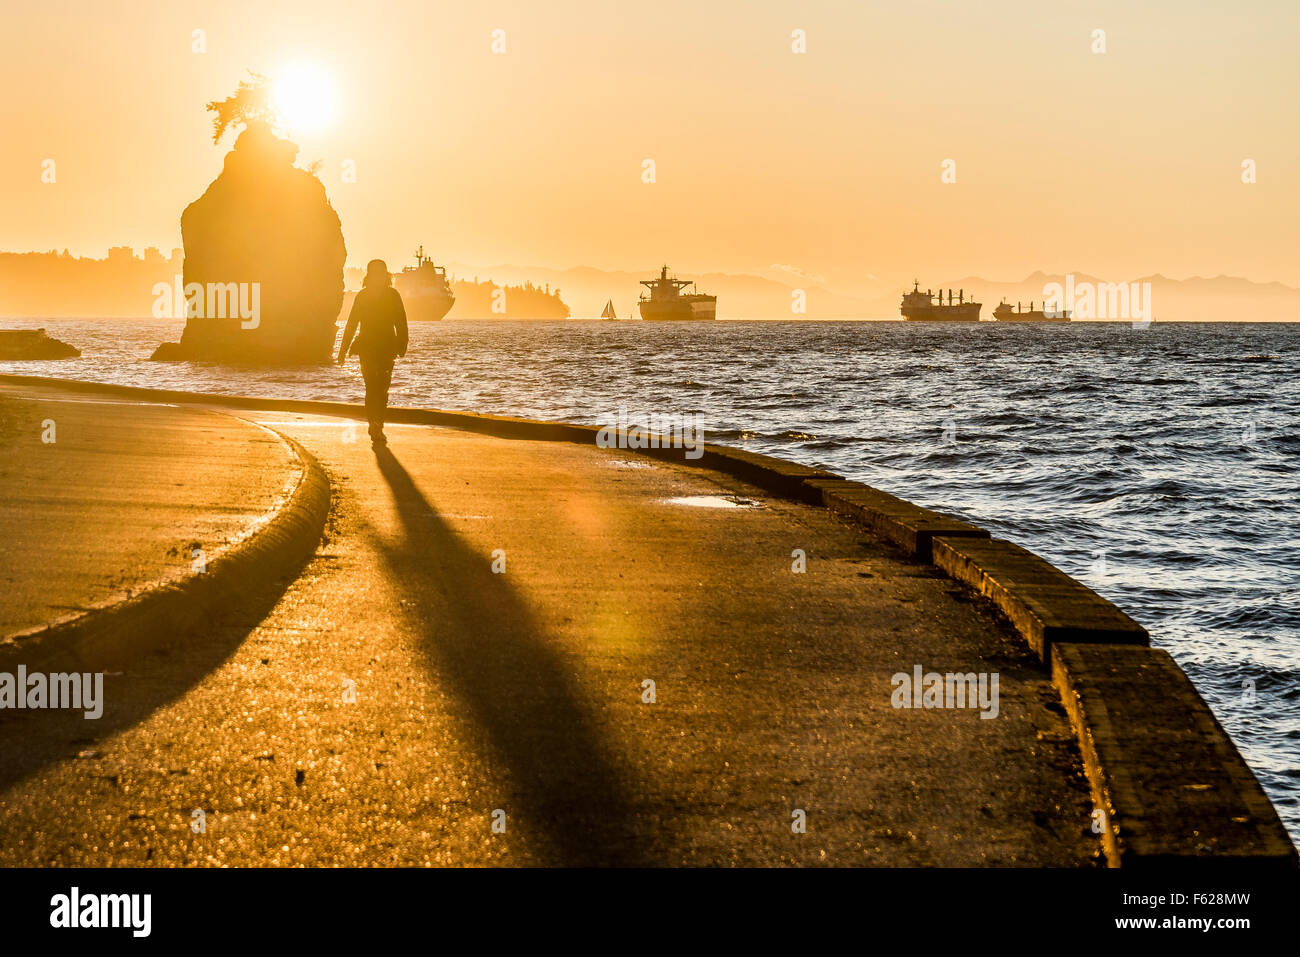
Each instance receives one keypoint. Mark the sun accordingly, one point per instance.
(305, 98)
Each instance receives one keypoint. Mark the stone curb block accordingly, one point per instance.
(1044, 604)
(902, 522)
(778, 476)
(106, 639)
(1172, 785)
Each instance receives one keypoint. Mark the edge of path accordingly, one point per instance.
(1168, 784)
(165, 610)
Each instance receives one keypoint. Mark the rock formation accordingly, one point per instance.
(264, 255)
(23, 344)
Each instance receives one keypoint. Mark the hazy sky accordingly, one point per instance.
(1116, 164)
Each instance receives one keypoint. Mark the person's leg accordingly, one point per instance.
(384, 375)
(370, 373)
(378, 375)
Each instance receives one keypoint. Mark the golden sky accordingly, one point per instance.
(1116, 164)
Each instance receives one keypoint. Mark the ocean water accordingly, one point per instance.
(1157, 465)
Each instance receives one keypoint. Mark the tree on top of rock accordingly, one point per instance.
(251, 106)
(252, 102)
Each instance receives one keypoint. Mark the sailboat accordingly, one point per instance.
(609, 313)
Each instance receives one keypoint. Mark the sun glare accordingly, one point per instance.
(305, 98)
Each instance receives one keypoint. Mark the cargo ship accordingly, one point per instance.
(1004, 313)
(667, 301)
(920, 306)
(426, 293)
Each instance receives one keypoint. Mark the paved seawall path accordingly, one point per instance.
(474, 635)
(102, 495)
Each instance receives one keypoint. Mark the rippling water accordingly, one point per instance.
(1157, 465)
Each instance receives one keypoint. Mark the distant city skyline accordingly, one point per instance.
(825, 165)
(773, 270)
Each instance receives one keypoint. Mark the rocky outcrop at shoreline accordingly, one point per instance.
(264, 256)
(27, 344)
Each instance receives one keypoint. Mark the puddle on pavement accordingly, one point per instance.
(714, 501)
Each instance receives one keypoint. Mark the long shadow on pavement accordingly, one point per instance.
(30, 740)
(486, 644)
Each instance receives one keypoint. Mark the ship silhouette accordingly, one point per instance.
(666, 301)
(427, 298)
(1004, 313)
(920, 306)
(426, 293)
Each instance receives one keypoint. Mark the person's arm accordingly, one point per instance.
(399, 324)
(349, 329)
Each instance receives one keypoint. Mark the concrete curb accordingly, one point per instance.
(1043, 603)
(108, 637)
(1162, 769)
(1186, 796)
(909, 526)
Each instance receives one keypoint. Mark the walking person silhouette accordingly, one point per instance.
(379, 315)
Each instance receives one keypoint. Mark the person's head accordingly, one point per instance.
(377, 273)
